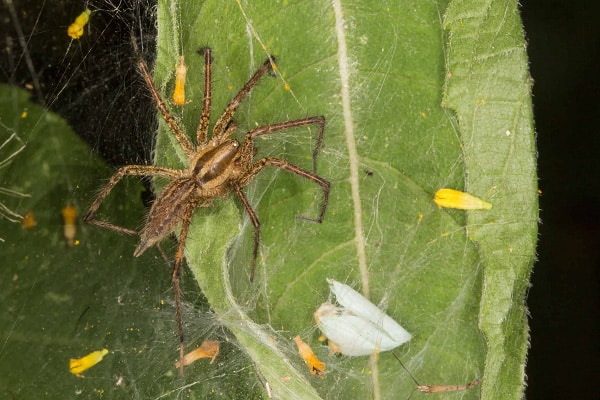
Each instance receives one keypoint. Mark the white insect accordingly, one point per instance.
(358, 327)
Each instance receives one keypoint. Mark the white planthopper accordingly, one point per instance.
(358, 327)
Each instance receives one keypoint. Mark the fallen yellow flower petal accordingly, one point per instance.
(451, 198)
(75, 30)
(78, 365)
(69, 214)
(315, 366)
(208, 349)
(28, 221)
(179, 91)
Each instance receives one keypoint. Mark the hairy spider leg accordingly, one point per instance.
(183, 140)
(128, 170)
(255, 223)
(279, 163)
(202, 132)
(248, 148)
(220, 130)
(267, 129)
(175, 279)
(146, 170)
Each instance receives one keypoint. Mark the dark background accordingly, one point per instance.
(564, 298)
(564, 59)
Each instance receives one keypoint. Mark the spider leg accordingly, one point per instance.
(268, 129)
(202, 131)
(279, 163)
(176, 277)
(183, 140)
(255, 222)
(128, 170)
(227, 116)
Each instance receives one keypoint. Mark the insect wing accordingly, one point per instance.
(359, 327)
(353, 335)
(358, 305)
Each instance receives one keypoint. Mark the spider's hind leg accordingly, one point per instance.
(128, 170)
(255, 223)
(254, 170)
(175, 278)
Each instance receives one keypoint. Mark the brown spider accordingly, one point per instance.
(217, 167)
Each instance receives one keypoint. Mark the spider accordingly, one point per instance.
(218, 166)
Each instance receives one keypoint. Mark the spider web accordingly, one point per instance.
(407, 240)
(108, 298)
(63, 301)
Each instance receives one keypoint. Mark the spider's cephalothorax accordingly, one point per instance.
(207, 178)
(217, 166)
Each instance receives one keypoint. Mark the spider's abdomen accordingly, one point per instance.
(167, 212)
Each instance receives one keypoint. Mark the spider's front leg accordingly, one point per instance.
(128, 170)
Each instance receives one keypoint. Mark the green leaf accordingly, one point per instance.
(377, 73)
(61, 302)
(490, 90)
(417, 97)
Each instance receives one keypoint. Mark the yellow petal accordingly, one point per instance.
(28, 220)
(75, 30)
(451, 198)
(78, 365)
(208, 349)
(69, 214)
(315, 366)
(179, 91)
